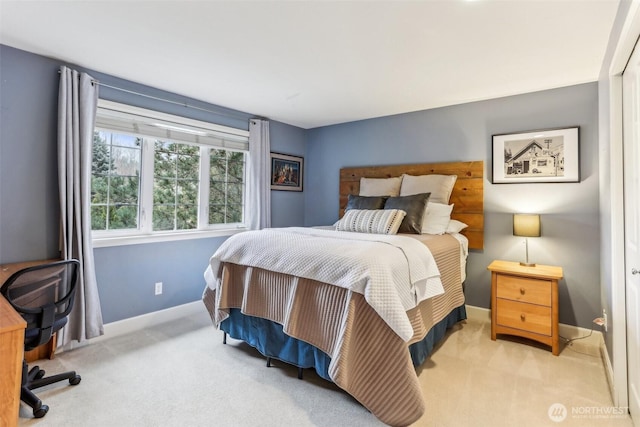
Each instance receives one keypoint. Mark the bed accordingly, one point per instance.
(363, 339)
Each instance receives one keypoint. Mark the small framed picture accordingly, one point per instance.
(286, 172)
(538, 156)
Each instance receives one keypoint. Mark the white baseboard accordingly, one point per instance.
(133, 324)
(608, 369)
(478, 313)
(567, 331)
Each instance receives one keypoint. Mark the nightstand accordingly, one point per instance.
(524, 301)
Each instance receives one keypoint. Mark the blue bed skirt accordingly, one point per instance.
(270, 340)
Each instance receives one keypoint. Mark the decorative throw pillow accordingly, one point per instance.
(380, 186)
(365, 202)
(436, 218)
(377, 221)
(456, 226)
(440, 186)
(414, 206)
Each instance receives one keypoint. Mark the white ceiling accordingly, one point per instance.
(316, 63)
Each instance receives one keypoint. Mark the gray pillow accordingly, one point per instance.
(365, 202)
(414, 206)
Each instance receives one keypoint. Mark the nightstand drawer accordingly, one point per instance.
(534, 291)
(528, 317)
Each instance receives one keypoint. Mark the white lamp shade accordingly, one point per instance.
(525, 225)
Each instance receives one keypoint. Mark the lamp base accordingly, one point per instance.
(527, 264)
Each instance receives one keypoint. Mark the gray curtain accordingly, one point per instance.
(77, 103)
(259, 175)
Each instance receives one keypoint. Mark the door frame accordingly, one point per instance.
(623, 50)
(631, 129)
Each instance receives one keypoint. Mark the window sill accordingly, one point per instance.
(104, 242)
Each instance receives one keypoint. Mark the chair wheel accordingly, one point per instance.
(75, 380)
(41, 411)
(40, 374)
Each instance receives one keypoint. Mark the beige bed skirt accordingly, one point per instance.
(368, 360)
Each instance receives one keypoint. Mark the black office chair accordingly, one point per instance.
(43, 295)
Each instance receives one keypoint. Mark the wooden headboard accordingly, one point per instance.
(467, 195)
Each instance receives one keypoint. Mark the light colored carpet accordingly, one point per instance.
(180, 374)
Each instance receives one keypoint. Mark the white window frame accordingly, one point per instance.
(223, 137)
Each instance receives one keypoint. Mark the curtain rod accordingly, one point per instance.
(169, 101)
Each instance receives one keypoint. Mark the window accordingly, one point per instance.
(115, 181)
(159, 175)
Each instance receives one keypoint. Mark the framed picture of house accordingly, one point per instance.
(286, 172)
(550, 155)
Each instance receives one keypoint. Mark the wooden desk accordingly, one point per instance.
(45, 351)
(12, 327)
(6, 270)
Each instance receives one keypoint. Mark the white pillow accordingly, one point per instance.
(440, 186)
(436, 218)
(456, 226)
(375, 221)
(380, 186)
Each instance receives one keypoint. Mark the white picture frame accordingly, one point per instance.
(550, 155)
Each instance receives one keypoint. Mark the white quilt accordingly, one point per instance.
(394, 273)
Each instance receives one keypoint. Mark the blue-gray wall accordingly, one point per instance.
(29, 192)
(28, 185)
(287, 207)
(570, 216)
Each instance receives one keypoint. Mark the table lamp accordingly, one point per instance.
(525, 225)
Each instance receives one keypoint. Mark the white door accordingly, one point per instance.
(631, 121)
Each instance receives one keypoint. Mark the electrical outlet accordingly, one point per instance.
(602, 321)
(158, 288)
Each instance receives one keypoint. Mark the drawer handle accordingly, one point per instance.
(522, 317)
(521, 291)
